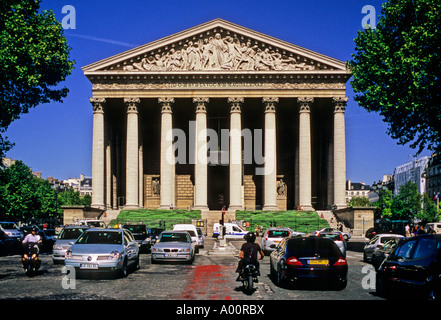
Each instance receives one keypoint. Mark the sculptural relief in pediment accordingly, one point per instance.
(217, 51)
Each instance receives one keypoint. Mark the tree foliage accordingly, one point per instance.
(24, 196)
(34, 59)
(396, 71)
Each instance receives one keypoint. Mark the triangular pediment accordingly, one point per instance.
(217, 45)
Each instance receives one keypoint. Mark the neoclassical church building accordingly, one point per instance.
(218, 115)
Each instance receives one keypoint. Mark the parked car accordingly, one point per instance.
(201, 241)
(377, 242)
(92, 223)
(346, 235)
(48, 238)
(65, 240)
(413, 269)
(140, 233)
(154, 234)
(273, 236)
(7, 244)
(337, 237)
(435, 226)
(104, 250)
(382, 253)
(11, 230)
(307, 258)
(174, 246)
(232, 231)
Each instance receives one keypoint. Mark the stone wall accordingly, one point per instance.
(358, 219)
(72, 213)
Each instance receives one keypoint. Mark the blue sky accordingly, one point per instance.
(56, 138)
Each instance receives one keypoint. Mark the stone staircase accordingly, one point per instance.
(332, 219)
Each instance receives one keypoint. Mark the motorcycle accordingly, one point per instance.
(31, 262)
(249, 276)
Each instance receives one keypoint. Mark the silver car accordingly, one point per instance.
(377, 242)
(11, 230)
(65, 240)
(111, 250)
(173, 246)
(273, 236)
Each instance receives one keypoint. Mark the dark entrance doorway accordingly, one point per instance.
(218, 187)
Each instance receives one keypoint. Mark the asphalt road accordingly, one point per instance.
(211, 277)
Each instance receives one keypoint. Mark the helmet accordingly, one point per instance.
(250, 237)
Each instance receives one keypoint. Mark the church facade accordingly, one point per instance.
(218, 115)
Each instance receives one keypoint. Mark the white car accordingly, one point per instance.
(193, 233)
(377, 242)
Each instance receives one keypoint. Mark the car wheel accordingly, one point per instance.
(124, 271)
(137, 263)
(280, 281)
(341, 284)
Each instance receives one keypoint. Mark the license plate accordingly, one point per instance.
(88, 266)
(319, 262)
(171, 255)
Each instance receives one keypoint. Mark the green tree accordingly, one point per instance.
(396, 71)
(358, 201)
(34, 59)
(70, 197)
(407, 203)
(384, 204)
(429, 211)
(24, 196)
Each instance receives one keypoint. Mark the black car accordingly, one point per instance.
(48, 238)
(413, 268)
(140, 233)
(308, 258)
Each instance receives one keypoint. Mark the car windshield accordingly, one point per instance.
(8, 225)
(278, 233)
(332, 236)
(309, 247)
(71, 233)
(173, 237)
(136, 229)
(100, 237)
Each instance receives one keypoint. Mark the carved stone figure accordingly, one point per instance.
(156, 187)
(218, 53)
(281, 188)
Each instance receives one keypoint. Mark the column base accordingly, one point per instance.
(131, 207)
(307, 207)
(201, 207)
(234, 208)
(270, 207)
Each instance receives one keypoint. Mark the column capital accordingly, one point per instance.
(132, 104)
(201, 104)
(340, 103)
(270, 103)
(235, 104)
(305, 103)
(97, 104)
(166, 104)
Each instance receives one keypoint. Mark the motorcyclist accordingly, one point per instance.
(248, 254)
(32, 237)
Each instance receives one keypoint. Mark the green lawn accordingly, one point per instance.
(302, 221)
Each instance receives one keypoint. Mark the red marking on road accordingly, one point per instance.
(205, 280)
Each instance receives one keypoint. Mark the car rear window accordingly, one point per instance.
(278, 233)
(71, 233)
(136, 229)
(333, 237)
(173, 237)
(310, 247)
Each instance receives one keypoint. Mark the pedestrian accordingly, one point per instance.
(407, 229)
(257, 230)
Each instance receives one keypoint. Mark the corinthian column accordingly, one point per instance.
(235, 153)
(167, 170)
(339, 151)
(201, 161)
(305, 184)
(132, 154)
(98, 153)
(270, 172)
